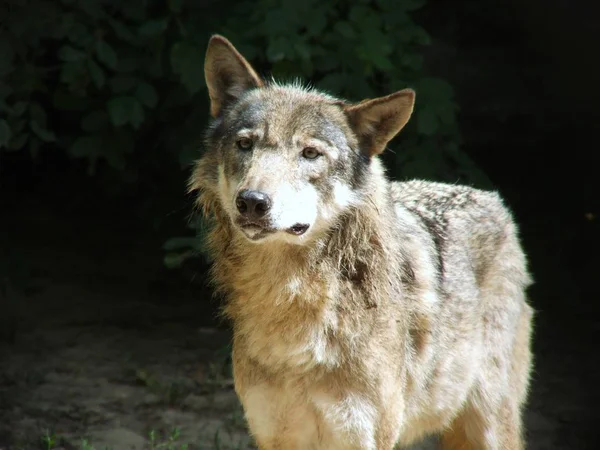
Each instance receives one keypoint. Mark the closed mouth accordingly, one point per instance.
(253, 225)
(255, 230)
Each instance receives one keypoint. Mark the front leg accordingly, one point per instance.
(280, 419)
(277, 412)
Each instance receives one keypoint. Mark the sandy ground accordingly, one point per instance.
(113, 349)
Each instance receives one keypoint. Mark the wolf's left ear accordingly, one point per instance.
(377, 121)
(228, 74)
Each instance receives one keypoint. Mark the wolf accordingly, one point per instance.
(366, 313)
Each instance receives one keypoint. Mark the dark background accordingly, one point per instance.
(525, 76)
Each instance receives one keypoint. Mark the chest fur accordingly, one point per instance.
(290, 317)
(299, 417)
(291, 335)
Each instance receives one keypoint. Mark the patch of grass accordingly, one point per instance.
(218, 441)
(237, 419)
(85, 445)
(48, 440)
(155, 441)
(168, 442)
(172, 393)
(223, 439)
(220, 370)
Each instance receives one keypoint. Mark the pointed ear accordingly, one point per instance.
(377, 121)
(228, 74)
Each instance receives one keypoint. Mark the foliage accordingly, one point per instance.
(120, 84)
(113, 83)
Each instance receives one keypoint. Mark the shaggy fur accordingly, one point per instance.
(366, 313)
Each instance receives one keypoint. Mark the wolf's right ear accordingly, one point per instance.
(377, 121)
(228, 74)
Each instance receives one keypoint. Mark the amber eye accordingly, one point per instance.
(244, 143)
(310, 153)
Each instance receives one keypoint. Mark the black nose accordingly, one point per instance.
(252, 204)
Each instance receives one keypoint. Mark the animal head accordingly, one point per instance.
(284, 162)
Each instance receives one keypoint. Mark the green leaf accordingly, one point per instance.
(18, 142)
(176, 260)
(187, 62)
(447, 114)
(328, 63)
(302, 50)
(134, 10)
(422, 37)
(153, 27)
(6, 58)
(124, 110)
(96, 73)
(79, 34)
(106, 55)
(64, 100)
(68, 53)
(155, 67)
(120, 84)
(382, 62)
(404, 5)
(19, 108)
(434, 90)
(277, 23)
(358, 87)
(129, 64)
(178, 243)
(5, 134)
(375, 47)
(412, 5)
(333, 82)
(307, 67)
(5, 89)
(114, 158)
(358, 14)
(71, 71)
(120, 110)
(86, 147)
(278, 49)
(316, 25)
(64, 25)
(18, 125)
(122, 31)
(345, 29)
(95, 121)
(146, 94)
(44, 134)
(427, 122)
(92, 8)
(38, 114)
(176, 5)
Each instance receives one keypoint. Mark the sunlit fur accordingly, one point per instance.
(400, 313)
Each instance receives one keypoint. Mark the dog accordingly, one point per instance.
(366, 313)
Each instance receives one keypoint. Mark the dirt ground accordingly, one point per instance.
(112, 351)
